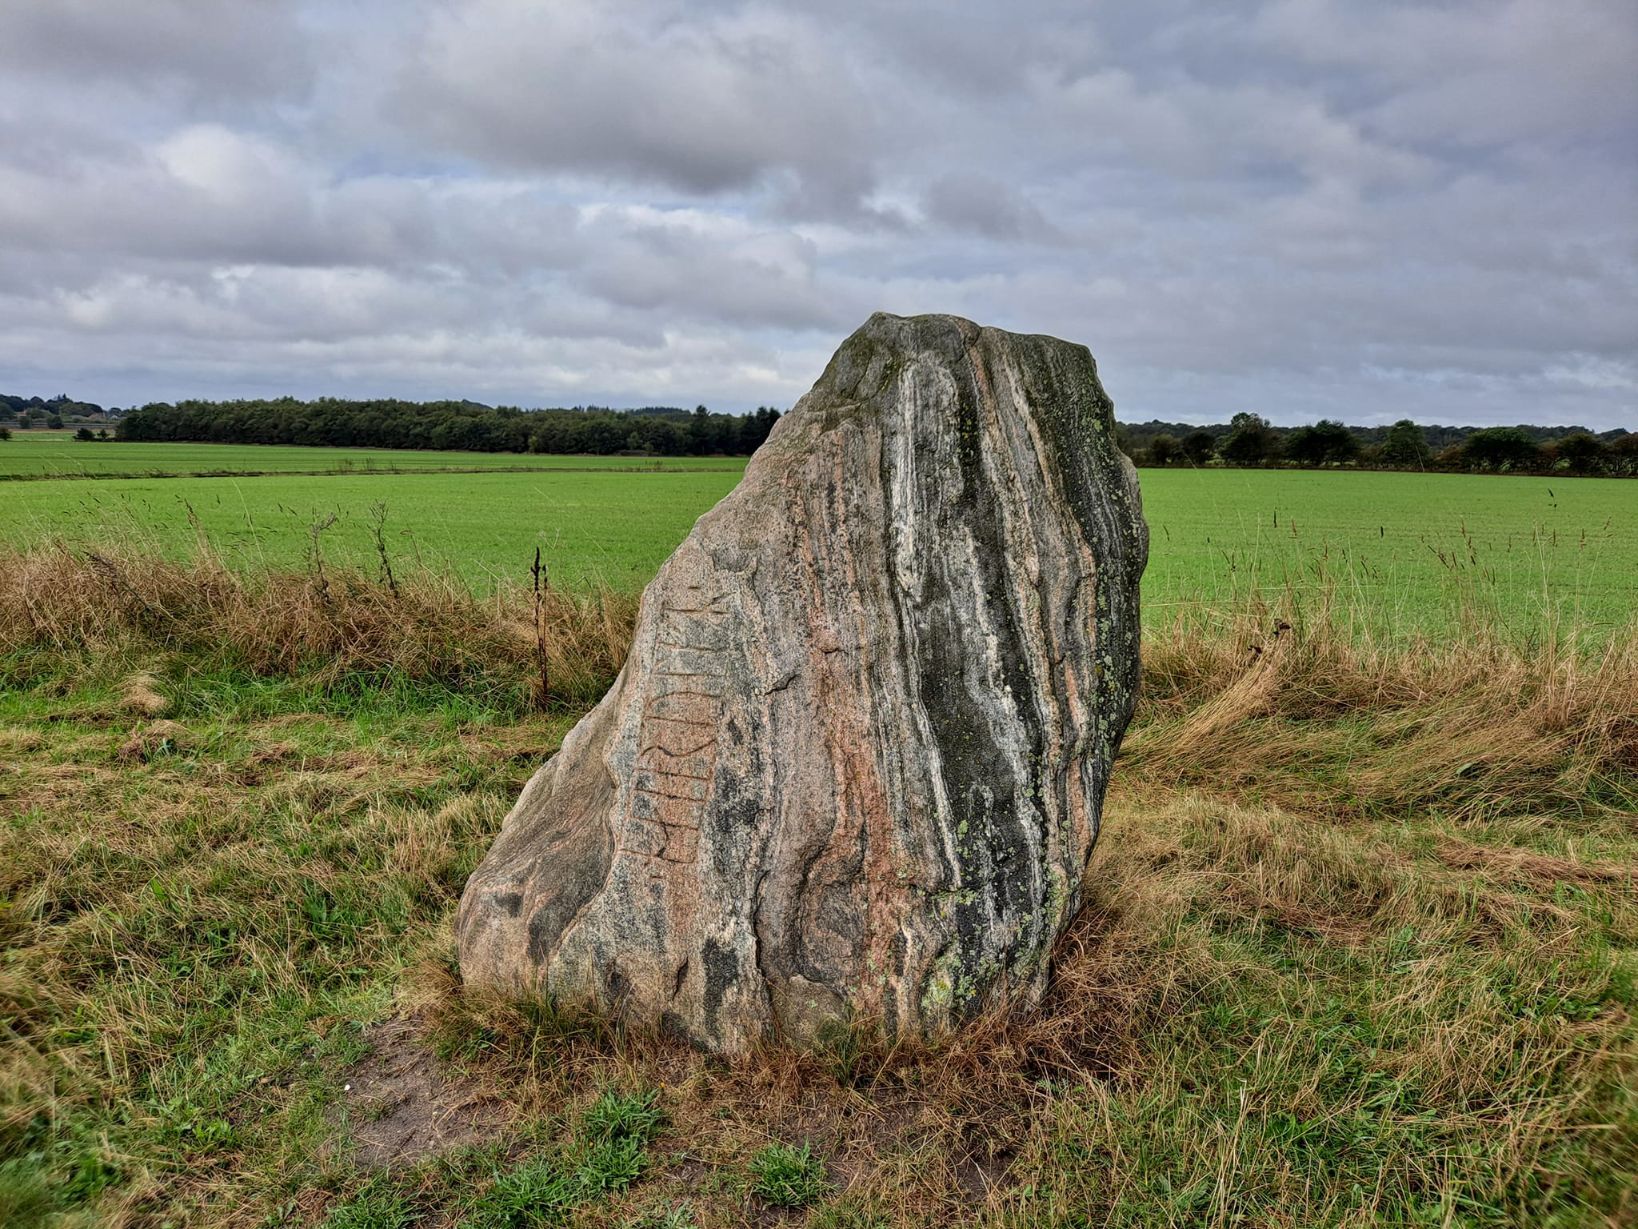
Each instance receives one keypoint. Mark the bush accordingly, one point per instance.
(1327, 442)
(1198, 447)
(1164, 450)
(1580, 453)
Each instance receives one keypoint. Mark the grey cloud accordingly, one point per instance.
(1303, 206)
(969, 200)
(744, 278)
(636, 90)
(1479, 72)
(205, 48)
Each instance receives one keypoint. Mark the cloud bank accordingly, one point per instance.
(1303, 207)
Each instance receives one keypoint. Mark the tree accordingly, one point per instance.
(1250, 441)
(1198, 447)
(5, 434)
(754, 428)
(1501, 450)
(1164, 450)
(55, 422)
(1623, 455)
(1580, 453)
(86, 434)
(1406, 446)
(1327, 442)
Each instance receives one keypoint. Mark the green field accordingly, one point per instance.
(1407, 551)
(46, 454)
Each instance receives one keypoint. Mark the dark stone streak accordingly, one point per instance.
(999, 854)
(721, 972)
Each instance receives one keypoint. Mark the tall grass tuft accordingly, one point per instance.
(1309, 706)
(326, 623)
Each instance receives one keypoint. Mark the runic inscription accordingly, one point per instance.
(678, 735)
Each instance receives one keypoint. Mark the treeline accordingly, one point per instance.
(460, 425)
(55, 411)
(1250, 441)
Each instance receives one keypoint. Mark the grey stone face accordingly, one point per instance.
(853, 768)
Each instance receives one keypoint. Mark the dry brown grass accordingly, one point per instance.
(323, 622)
(1480, 725)
(1258, 706)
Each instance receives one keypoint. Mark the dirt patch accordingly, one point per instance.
(402, 1104)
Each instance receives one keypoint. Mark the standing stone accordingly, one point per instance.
(853, 768)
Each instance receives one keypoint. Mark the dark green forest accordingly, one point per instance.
(1249, 441)
(656, 431)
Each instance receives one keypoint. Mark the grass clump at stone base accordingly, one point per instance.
(786, 1176)
(1327, 973)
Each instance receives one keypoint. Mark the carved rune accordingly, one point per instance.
(678, 737)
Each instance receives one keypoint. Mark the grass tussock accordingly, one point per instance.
(1313, 710)
(323, 623)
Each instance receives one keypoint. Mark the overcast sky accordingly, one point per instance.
(1343, 208)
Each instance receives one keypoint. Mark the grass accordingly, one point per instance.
(56, 454)
(1408, 554)
(787, 1177)
(1360, 945)
(340, 631)
(608, 1153)
(1416, 553)
(594, 528)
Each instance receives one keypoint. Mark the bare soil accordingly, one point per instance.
(402, 1104)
